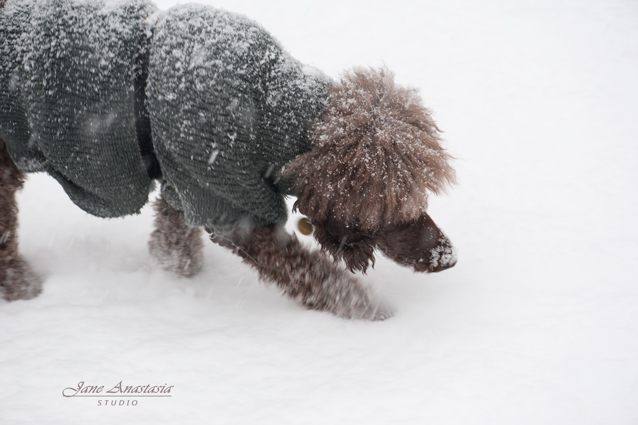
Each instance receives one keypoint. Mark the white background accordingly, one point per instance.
(537, 323)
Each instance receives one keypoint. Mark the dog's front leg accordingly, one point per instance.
(17, 281)
(307, 277)
(174, 245)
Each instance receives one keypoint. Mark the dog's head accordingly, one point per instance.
(364, 186)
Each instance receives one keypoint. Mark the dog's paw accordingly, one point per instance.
(182, 256)
(346, 297)
(374, 312)
(19, 282)
(382, 313)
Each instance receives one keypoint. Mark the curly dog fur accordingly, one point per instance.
(176, 246)
(364, 185)
(17, 281)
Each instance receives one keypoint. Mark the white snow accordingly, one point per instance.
(536, 324)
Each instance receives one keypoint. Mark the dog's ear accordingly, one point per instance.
(355, 248)
(376, 155)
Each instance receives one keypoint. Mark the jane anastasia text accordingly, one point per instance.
(119, 390)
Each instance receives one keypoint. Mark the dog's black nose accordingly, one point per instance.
(442, 258)
(442, 267)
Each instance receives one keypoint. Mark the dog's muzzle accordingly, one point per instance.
(419, 244)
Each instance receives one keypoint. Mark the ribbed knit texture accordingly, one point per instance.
(228, 107)
(66, 98)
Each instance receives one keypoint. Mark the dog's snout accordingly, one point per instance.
(445, 263)
(443, 256)
(419, 244)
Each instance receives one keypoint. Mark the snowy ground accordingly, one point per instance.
(538, 322)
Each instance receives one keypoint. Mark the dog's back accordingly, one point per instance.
(227, 107)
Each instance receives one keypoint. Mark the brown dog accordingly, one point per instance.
(362, 191)
(361, 170)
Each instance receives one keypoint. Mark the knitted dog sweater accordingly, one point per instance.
(228, 108)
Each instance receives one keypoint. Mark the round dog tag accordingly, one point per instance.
(304, 226)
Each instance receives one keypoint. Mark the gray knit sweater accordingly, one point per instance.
(228, 107)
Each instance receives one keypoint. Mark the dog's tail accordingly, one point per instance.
(377, 153)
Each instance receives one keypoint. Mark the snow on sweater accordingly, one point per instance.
(228, 107)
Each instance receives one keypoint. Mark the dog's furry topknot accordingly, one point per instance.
(376, 155)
